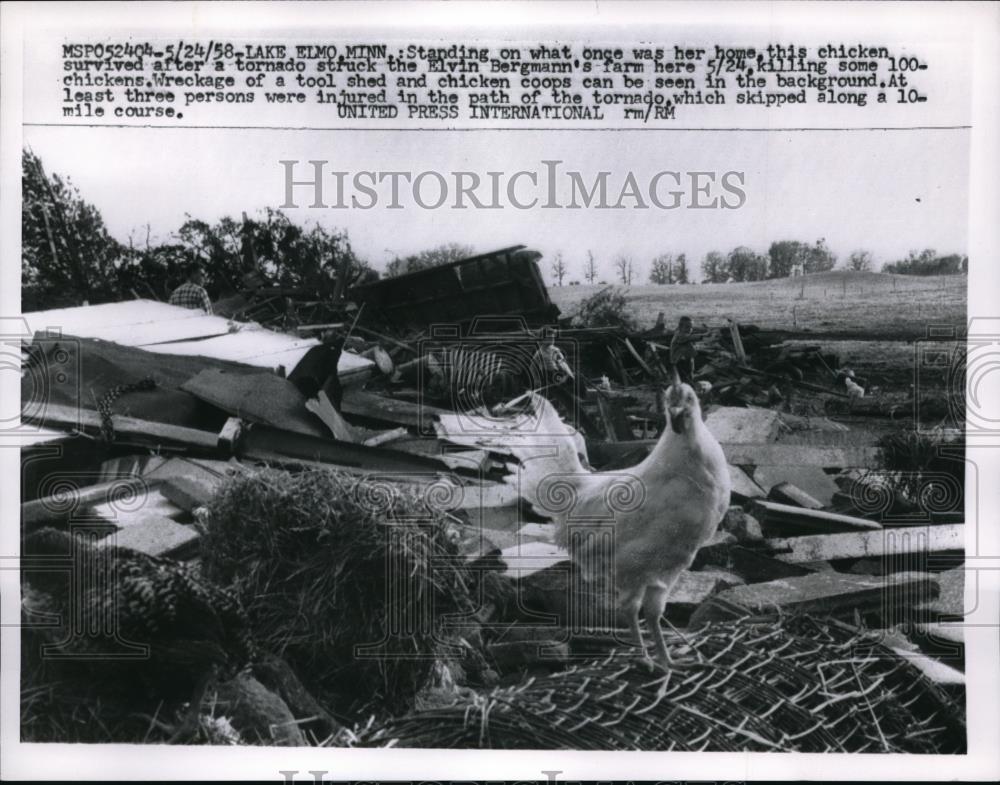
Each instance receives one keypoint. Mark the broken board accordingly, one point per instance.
(260, 398)
(821, 593)
(885, 543)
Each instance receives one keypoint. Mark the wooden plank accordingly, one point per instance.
(786, 493)
(324, 409)
(797, 520)
(259, 397)
(263, 443)
(821, 593)
(856, 545)
(801, 455)
(636, 355)
(154, 505)
(749, 564)
(127, 429)
(361, 403)
(734, 332)
(188, 493)
(938, 672)
(157, 537)
(385, 437)
(58, 509)
(743, 454)
(743, 487)
(816, 488)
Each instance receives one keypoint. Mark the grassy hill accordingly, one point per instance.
(868, 305)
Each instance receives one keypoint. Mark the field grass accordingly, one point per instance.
(865, 306)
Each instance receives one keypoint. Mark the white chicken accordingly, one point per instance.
(854, 389)
(661, 512)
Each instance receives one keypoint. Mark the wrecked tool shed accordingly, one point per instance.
(505, 283)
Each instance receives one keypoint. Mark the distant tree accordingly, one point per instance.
(624, 268)
(681, 270)
(590, 269)
(927, 262)
(819, 258)
(661, 271)
(310, 258)
(558, 268)
(433, 257)
(744, 264)
(860, 261)
(786, 258)
(713, 267)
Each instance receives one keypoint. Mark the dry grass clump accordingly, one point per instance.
(349, 579)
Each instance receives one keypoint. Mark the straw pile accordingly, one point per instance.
(348, 579)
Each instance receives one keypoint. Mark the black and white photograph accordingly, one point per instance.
(512, 380)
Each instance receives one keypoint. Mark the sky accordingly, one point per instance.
(883, 191)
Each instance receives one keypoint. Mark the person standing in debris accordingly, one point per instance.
(191, 293)
(682, 350)
(550, 361)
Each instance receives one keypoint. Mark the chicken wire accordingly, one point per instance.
(804, 685)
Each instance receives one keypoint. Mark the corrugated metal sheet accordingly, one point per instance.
(170, 329)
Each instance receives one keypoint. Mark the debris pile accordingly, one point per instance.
(357, 487)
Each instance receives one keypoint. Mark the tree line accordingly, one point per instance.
(68, 257)
(784, 259)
